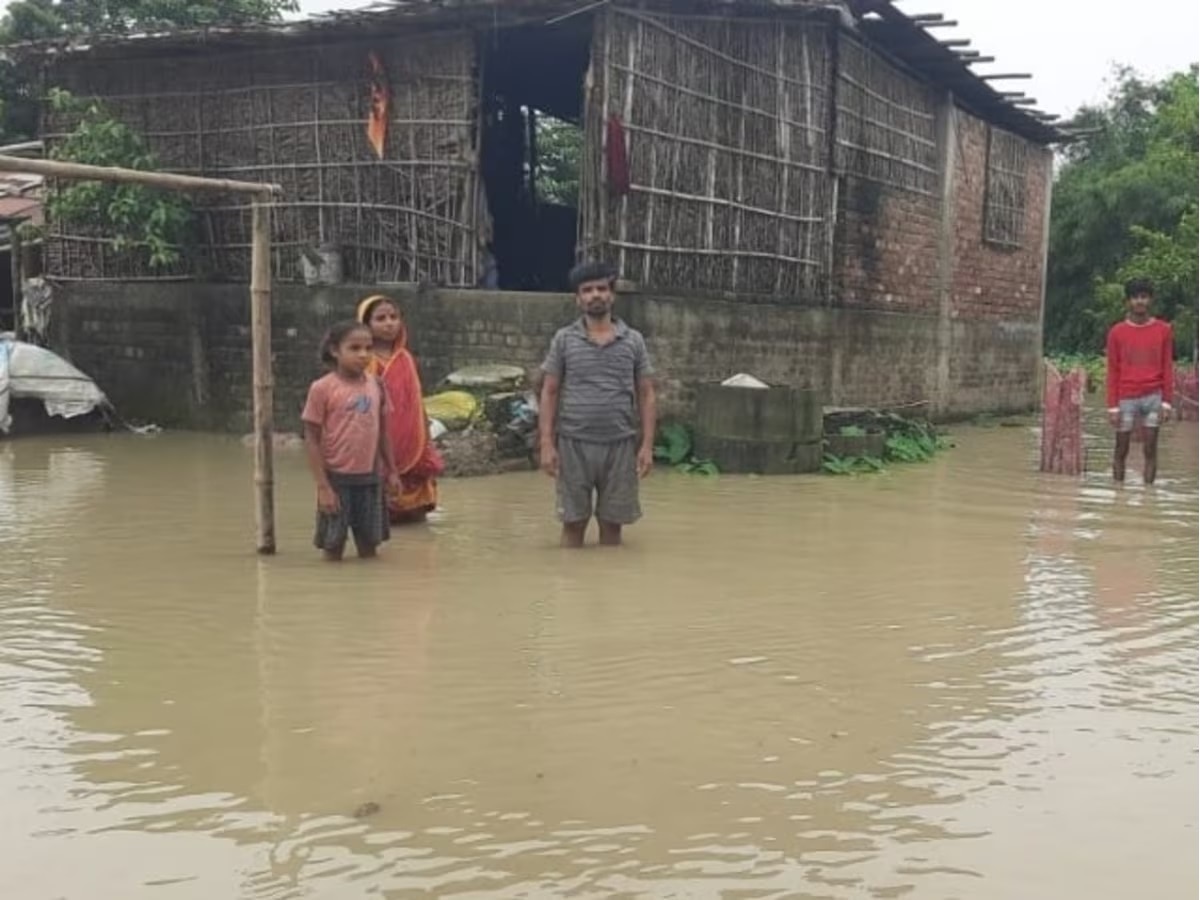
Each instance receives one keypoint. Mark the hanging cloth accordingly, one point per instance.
(617, 157)
(381, 103)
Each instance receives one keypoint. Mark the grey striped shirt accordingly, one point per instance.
(598, 384)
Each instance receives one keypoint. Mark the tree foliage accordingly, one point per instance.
(39, 20)
(132, 216)
(560, 146)
(1125, 206)
(34, 20)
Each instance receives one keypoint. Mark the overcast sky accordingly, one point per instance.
(1069, 46)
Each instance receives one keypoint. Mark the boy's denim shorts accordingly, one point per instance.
(1147, 408)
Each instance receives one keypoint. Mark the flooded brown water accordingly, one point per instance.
(954, 680)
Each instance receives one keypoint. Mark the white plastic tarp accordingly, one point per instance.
(29, 371)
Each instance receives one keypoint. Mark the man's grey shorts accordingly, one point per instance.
(1148, 408)
(607, 470)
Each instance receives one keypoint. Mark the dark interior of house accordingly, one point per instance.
(532, 75)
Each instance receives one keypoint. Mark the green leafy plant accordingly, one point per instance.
(851, 465)
(132, 216)
(1093, 364)
(698, 467)
(910, 448)
(674, 444)
(674, 447)
(906, 440)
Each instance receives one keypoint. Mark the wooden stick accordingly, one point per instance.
(721, 101)
(166, 180)
(264, 387)
(699, 142)
(705, 251)
(942, 23)
(998, 76)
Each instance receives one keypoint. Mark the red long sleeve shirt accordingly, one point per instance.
(1140, 360)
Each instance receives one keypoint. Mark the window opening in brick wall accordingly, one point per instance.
(1004, 194)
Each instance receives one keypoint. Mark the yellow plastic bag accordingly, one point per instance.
(454, 409)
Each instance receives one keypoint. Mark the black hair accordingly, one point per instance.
(1136, 286)
(591, 271)
(337, 333)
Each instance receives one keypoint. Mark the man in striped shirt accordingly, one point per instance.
(597, 413)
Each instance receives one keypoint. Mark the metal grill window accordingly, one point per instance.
(1004, 197)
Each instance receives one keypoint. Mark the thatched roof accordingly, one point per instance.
(907, 39)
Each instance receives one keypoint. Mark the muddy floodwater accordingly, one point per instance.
(952, 680)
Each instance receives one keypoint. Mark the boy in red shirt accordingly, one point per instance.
(1140, 377)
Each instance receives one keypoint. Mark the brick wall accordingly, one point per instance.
(992, 282)
(179, 355)
(885, 248)
(996, 293)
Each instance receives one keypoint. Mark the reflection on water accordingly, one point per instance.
(954, 680)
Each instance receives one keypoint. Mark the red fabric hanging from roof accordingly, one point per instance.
(617, 157)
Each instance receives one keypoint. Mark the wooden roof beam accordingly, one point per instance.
(998, 76)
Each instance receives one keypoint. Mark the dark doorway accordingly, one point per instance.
(532, 94)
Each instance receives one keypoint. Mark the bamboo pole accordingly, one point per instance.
(264, 381)
(166, 180)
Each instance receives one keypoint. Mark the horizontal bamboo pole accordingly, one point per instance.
(279, 126)
(713, 251)
(166, 180)
(722, 201)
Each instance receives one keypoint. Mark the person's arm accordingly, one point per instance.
(327, 498)
(1168, 370)
(387, 455)
(1112, 357)
(647, 407)
(553, 370)
(547, 414)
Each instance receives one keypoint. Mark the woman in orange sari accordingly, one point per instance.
(417, 460)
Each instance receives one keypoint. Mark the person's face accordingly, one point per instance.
(385, 322)
(353, 354)
(1139, 304)
(595, 298)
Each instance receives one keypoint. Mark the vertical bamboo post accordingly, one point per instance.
(264, 380)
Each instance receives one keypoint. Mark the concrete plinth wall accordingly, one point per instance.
(179, 354)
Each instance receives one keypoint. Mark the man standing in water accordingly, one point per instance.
(1141, 377)
(596, 392)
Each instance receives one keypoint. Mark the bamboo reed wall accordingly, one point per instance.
(1004, 194)
(297, 117)
(886, 122)
(726, 127)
